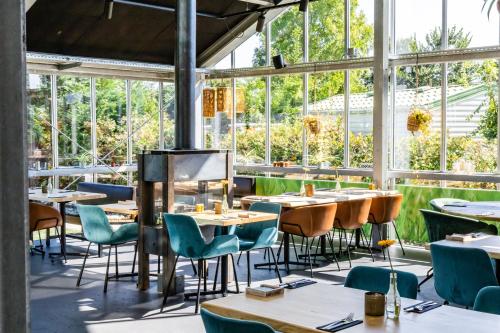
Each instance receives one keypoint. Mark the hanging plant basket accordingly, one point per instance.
(419, 120)
(208, 103)
(313, 124)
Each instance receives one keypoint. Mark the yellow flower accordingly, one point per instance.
(386, 242)
(224, 182)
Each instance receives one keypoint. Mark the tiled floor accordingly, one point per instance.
(58, 306)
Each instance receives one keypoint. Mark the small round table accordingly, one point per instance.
(480, 210)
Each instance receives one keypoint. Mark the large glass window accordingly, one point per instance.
(361, 29)
(145, 116)
(326, 30)
(168, 95)
(74, 121)
(111, 125)
(252, 52)
(326, 105)
(286, 118)
(250, 121)
(217, 126)
(287, 36)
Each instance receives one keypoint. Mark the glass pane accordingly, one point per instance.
(112, 178)
(287, 36)
(361, 118)
(471, 117)
(362, 19)
(73, 118)
(252, 53)
(415, 21)
(111, 126)
(250, 121)
(168, 95)
(326, 30)
(39, 122)
(326, 104)
(470, 26)
(217, 127)
(286, 119)
(71, 182)
(224, 63)
(145, 116)
(418, 150)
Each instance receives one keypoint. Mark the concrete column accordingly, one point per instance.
(14, 300)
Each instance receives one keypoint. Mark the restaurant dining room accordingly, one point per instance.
(249, 166)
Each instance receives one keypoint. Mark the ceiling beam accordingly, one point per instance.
(28, 4)
(259, 2)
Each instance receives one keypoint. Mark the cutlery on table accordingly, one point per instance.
(346, 320)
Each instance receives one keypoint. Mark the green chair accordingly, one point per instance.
(488, 300)
(217, 324)
(438, 225)
(459, 273)
(186, 240)
(438, 203)
(97, 230)
(377, 279)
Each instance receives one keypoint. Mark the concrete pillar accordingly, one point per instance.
(14, 300)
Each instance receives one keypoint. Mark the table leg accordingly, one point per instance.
(224, 267)
(497, 262)
(286, 251)
(358, 238)
(323, 245)
(62, 210)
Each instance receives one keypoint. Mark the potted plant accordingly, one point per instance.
(313, 124)
(419, 120)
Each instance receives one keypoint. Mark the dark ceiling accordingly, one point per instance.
(81, 28)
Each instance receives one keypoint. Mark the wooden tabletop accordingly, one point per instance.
(490, 244)
(303, 309)
(232, 218)
(66, 196)
(293, 200)
(481, 210)
(128, 207)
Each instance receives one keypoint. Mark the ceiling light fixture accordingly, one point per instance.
(261, 21)
(109, 9)
(303, 5)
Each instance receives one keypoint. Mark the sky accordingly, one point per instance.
(414, 17)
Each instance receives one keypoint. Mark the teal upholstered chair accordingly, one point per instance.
(97, 230)
(488, 300)
(217, 324)
(438, 225)
(438, 203)
(256, 236)
(376, 279)
(186, 240)
(459, 273)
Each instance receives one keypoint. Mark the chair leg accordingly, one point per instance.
(302, 244)
(41, 244)
(308, 255)
(363, 238)
(83, 266)
(399, 239)
(249, 272)
(276, 264)
(234, 272)
(294, 248)
(318, 245)
(348, 250)
(136, 246)
(268, 260)
(380, 238)
(265, 253)
(279, 249)
(205, 273)
(194, 267)
(427, 278)
(165, 291)
(60, 242)
(107, 270)
(200, 269)
(239, 257)
(333, 251)
(158, 266)
(217, 272)
(99, 250)
(116, 262)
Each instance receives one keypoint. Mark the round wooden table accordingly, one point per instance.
(480, 210)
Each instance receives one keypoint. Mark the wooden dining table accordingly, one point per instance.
(304, 309)
(62, 198)
(488, 243)
(293, 200)
(480, 210)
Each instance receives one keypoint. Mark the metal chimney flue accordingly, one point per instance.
(185, 74)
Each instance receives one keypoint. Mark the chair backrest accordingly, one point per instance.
(310, 221)
(114, 193)
(43, 216)
(215, 323)
(459, 273)
(377, 279)
(352, 214)
(253, 230)
(488, 300)
(439, 225)
(438, 203)
(385, 208)
(184, 234)
(95, 224)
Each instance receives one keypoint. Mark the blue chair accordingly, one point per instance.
(217, 324)
(97, 230)
(256, 236)
(459, 273)
(186, 240)
(488, 300)
(377, 279)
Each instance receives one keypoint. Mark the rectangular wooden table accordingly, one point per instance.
(61, 198)
(302, 310)
(490, 244)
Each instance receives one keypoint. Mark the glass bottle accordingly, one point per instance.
(50, 187)
(393, 302)
(302, 189)
(225, 205)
